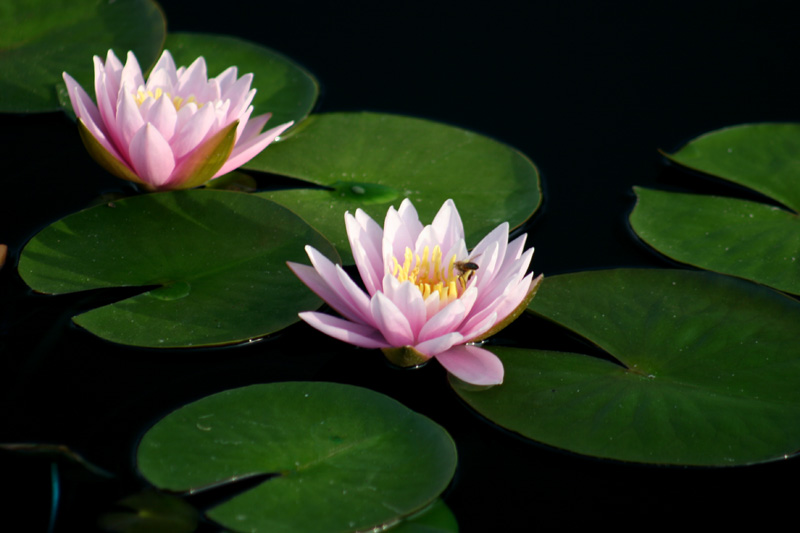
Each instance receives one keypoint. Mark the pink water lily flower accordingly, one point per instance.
(177, 130)
(427, 296)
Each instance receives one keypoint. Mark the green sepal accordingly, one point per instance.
(208, 158)
(405, 356)
(104, 158)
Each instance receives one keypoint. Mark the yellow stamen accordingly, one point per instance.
(177, 101)
(427, 274)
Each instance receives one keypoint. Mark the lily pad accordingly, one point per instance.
(340, 458)
(762, 157)
(742, 238)
(706, 370)
(283, 87)
(437, 518)
(371, 161)
(216, 260)
(43, 38)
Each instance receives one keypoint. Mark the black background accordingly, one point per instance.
(588, 90)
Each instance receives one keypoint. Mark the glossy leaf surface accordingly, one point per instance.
(742, 238)
(217, 260)
(737, 237)
(342, 458)
(43, 38)
(762, 157)
(707, 374)
(283, 87)
(371, 161)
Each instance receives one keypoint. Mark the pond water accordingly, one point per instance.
(588, 92)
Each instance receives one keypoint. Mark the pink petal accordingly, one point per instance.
(244, 152)
(338, 280)
(472, 365)
(356, 334)
(166, 65)
(193, 132)
(445, 321)
(365, 238)
(477, 326)
(129, 121)
(447, 225)
(410, 219)
(321, 288)
(437, 345)
(397, 236)
(515, 247)
(254, 126)
(498, 235)
(163, 116)
(106, 96)
(407, 297)
(81, 102)
(151, 156)
(390, 321)
(193, 80)
(113, 74)
(239, 94)
(227, 78)
(131, 77)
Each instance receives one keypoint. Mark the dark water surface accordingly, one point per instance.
(588, 90)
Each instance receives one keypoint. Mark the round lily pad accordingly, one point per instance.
(43, 38)
(748, 239)
(214, 263)
(743, 238)
(371, 161)
(705, 372)
(762, 157)
(283, 87)
(340, 458)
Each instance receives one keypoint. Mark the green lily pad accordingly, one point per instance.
(284, 88)
(437, 518)
(218, 259)
(707, 370)
(746, 239)
(737, 237)
(342, 458)
(762, 157)
(43, 38)
(371, 161)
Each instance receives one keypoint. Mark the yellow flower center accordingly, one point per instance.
(177, 101)
(429, 275)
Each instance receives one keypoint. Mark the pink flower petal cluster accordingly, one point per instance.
(176, 130)
(426, 294)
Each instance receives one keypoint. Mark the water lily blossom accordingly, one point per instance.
(426, 294)
(177, 130)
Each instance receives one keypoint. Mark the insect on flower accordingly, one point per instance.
(426, 295)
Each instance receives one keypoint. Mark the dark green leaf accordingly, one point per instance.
(746, 239)
(371, 161)
(435, 519)
(762, 157)
(217, 257)
(43, 38)
(283, 87)
(707, 374)
(343, 458)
